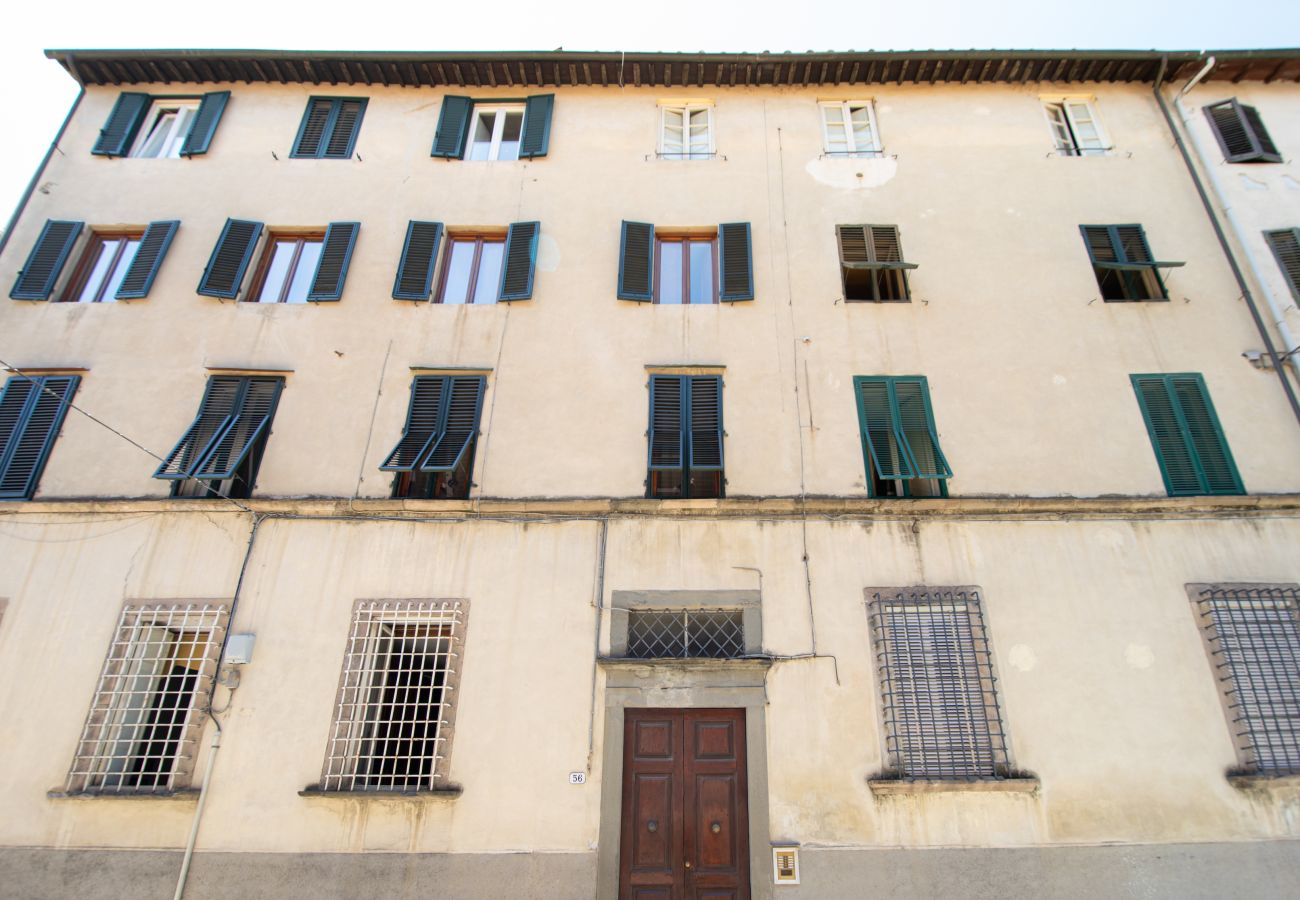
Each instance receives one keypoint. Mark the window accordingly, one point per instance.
(166, 125)
(303, 265)
(900, 446)
(849, 128)
(1075, 128)
(685, 634)
(116, 264)
(938, 688)
(220, 452)
(685, 439)
(871, 263)
(143, 724)
(494, 129)
(329, 128)
(287, 268)
(32, 409)
(478, 267)
(435, 457)
(682, 267)
(1122, 263)
(1285, 243)
(145, 126)
(1252, 634)
(471, 269)
(103, 266)
(396, 704)
(686, 268)
(1241, 133)
(686, 131)
(1185, 433)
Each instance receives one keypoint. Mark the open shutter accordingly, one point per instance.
(415, 268)
(1267, 149)
(1121, 247)
(253, 413)
(422, 419)
(31, 413)
(915, 423)
(460, 425)
(854, 250)
(311, 133)
(344, 128)
(1286, 248)
(148, 259)
(880, 430)
(335, 256)
(636, 261)
(537, 126)
(37, 277)
(886, 248)
(1241, 133)
(706, 423)
(737, 262)
(225, 270)
(521, 259)
(1206, 435)
(205, 123)
(216, 410)
(453, 123)
(1101, 249)
(666, 433)
(123, 122)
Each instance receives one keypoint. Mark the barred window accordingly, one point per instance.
(1252, 634)
(938, 689)
(396, 704)
(685, 634)
(143, 724)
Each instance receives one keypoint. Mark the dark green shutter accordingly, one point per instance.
(1285, 243)
(335, 256)
(520, 261)
(232, 417)
(879, 436)
(453, 124)
(737, 262)
(916, 428)
(666, 433)
(423, 416)
(37, 277)
(414, 279)
(636, 253)
(123, 122)
(1121, 247)
(216, 410)
(148, 259)
(1185, 433)
(1240, 132)
(705, 417)
(31, 413)
(899, 439)
(230, 257)
(345, 125)
(460, 424)
(311, 132)
(536, 139)
(205, 123)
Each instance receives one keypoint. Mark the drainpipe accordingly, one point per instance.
(1223, 238)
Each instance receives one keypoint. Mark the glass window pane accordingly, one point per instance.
(1085, 129)
(701, 282)
(156, 137)
(180, 128)
(276, 272)
(863, 140)
(489, 272)
(673, 142)
(670, 272)
(481, 146)
(119, 271)
(305, 272)
(458, 270)
(95, 280)
(699, 132)
(514, 125)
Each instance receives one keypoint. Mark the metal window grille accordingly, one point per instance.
(142, 728)
(1254, 643)
(941, 714)
(395, 708)
(684, 634)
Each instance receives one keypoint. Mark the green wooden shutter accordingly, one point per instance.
(148, 259)
(31, 413)
(880, 433)
(636, 255)
(459, 425)
(216, 410)
(536, 138)
(230, 258)
(1240, 132)
(705, 417)
(423, 416)
(312, 131)
(1285, 244)
(335, 256)
(1101, 247)
(252, 416)
(1267, 149)
(520, 261)
(123, 122)
(345, 125)
(453, 124)
(1185, 433)
(916, 431)
(414, 279)
(666, 433)
(205, 123)
(1207, 440)
(37, 277)
(736, 261)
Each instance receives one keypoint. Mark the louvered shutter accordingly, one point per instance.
(1208, 444)
(37, 277)
(216, 411)
(915, 422)
(737, 262)
(1240, 132)
(123, 122)
(205, 123)
(422, 419)
(31, 413)
(854, 251)
(453, 123)
(1101, 250)
(460, 425)
(636, 262)
(147, 260)
(880, 434)
(344, 127)
(1121, 247)
(311, 133)
(414, 279)
(253, 413)
(1267, 150)
(335, 256)
(1286, 248)
(706, 423)
(1185, 434)
(520, 260)
(536, 138)
(234, 250)
(666, 433)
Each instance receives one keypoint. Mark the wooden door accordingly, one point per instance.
(685, 833)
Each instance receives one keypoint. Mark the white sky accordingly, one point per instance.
(37, 92)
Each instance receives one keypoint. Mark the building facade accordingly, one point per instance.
(651, 475)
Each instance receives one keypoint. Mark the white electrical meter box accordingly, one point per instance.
(239, 649)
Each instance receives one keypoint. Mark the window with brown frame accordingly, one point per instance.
(288, 265)
(686, 269)
(103, 265)
(471, 268)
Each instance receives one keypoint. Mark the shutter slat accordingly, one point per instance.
(311, 133)
(335, 257)
(453, 123)
(520, 260)
(251, 418)
(880, 431)
(736, 261)
(636, 261)
(123, 122)
(414, 279)
(1207, 439)
(665, 444)
(147, 260)
(706, 423)
(216, 410)
(38, 276)
(422, 418)
(460, 426)
(1286, 248)
(916, 428)
(536, 138)
(32, 411)
(205, 123)
(230, 257)
(347, 125)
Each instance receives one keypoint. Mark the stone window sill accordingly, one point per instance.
(890, 786)
(185, 795)
(450, 792)
(1263, 782)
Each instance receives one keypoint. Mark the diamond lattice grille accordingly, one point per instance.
(684, 634)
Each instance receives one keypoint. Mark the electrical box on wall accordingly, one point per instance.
(239, 649)
(785, 863)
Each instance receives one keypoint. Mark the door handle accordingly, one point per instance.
(688, 863)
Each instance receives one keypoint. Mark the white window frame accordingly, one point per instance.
(685, 108)
(846, 107)
(1075, 148)
(499, 111)
(177, 130)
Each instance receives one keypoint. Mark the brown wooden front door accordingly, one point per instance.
(685, 833)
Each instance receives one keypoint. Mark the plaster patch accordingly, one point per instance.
(1291, 182)
(1251, 184)
(1139, 656)
(1022, 658)
(548, 253)
(852, 174)
(1059, 380)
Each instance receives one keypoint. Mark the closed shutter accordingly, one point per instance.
(422, 420)
(1185, 433)
(311, 133)
(1286, 248)
(453, 123)
(31, 413)
(414, 279)
(636, 262)
(148, 259)
(737, 262)
(536, 139)
(706, 423)
(1240, 132)
(344, 128)
(666, 433)
(1207, 439)
(459, 425)
(335, 256)
(205, 123)
(119, 131)
(225, 270)
(520, 261)
(37, 277)
(234, 413)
